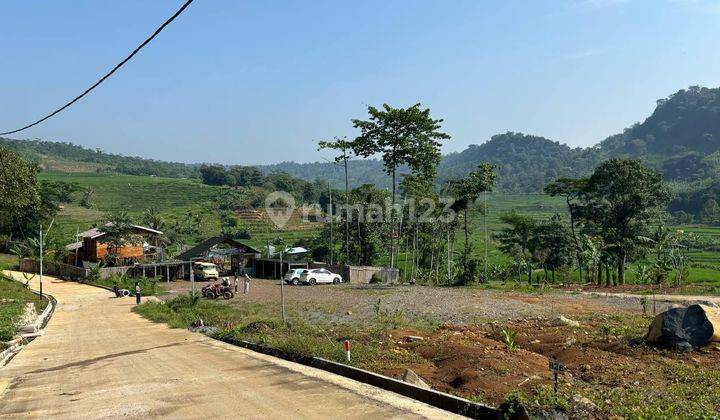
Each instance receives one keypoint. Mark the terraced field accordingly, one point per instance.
(173, 198)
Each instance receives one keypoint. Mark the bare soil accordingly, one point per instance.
(466, 356)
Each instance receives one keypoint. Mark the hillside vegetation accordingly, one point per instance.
(681, 138)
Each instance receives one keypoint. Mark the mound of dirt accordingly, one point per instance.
(258, 326)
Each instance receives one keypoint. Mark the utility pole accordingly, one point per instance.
(347, 210)
(282, 290)
(330, 218)
(342, 144)
(448, 257)
(77, 236)
(192, 279)
(41, 263)
(485, 212)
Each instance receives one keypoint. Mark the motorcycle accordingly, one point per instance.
(215, 290)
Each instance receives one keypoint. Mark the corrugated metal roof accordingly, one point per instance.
(204, 246)
(96, 233)
(73, 246)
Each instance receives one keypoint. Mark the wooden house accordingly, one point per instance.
(93, 249)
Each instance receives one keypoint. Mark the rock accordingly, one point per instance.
(348, 313)
(683, 346)
(584, 401)
(29, 314)
(26, 322)
(411, 377)
(535, 342)
(570, 341)
(412, 338)
(561, 320)
(585, 368)
(700, 302)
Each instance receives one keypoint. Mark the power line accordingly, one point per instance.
(135, 51)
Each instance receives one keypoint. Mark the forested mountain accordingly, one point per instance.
(366, 171)
(687, 121)
(525, 163)
(681, 138)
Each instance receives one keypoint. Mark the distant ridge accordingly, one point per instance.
(681, 138)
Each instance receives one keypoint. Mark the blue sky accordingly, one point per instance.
(250, 82)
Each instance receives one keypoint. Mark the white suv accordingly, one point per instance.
(319, 275)
(293, 276)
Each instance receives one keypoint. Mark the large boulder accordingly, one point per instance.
(686, 328)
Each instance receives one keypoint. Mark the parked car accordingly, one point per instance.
(293, 276)
(205, 271)
(318, 276)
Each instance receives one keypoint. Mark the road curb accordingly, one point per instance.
(431, 397)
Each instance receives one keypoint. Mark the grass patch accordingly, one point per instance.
(542, 399)
(260, 324)
(695, 393)
(14, 297)
(148, 285)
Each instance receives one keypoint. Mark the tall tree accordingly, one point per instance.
(555, 241)
(344, 147)
(618, 202)
(467, 190)
(23, 204)
(570, 189)
(520, 234)
(402, 136)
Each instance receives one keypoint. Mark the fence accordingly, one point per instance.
(360, 273)
(56, 269)
(166, 270)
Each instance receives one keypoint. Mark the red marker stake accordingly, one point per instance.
(346, 343)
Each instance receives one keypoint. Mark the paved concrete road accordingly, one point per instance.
(98, 359)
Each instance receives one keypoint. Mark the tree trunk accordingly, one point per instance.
(575, 239)
(347, 211)
(392, 223)
(599, 274)
(621, 267)
(608, 276)
(529, 274)
(466, 251)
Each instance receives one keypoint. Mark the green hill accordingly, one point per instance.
(681, 138)
(68, 157)
(686, 121)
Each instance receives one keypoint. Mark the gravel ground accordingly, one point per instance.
(348, 302)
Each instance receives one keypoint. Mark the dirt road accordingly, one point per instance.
(98, 359)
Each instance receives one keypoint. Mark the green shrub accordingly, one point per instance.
(386, 318)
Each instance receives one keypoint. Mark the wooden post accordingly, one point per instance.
(167, 271)
(143, 270)
(155, 267)
(182, 271)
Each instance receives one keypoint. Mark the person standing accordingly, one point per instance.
(235, 281)
(137, 293)
(247, 283)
